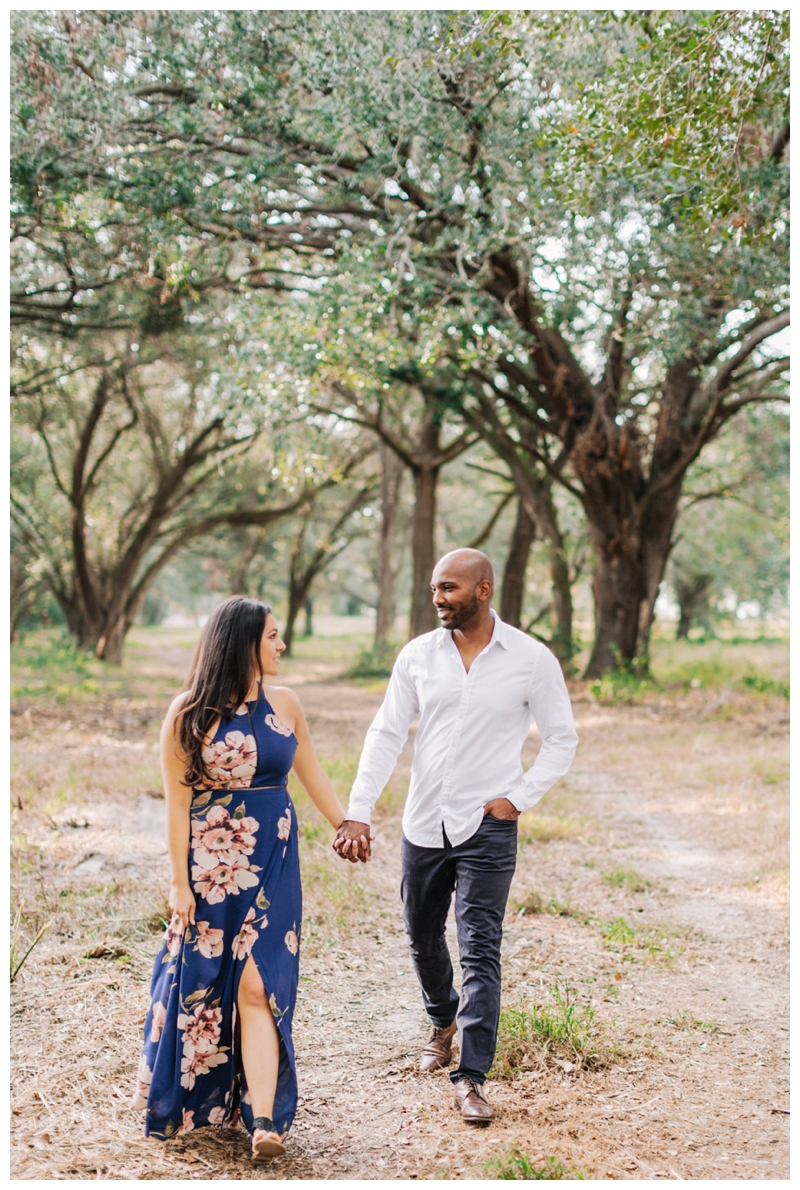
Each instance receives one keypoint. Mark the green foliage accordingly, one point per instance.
(761, 684)
(374, 662)
(622, 685)
(619, 933)
(515, 1165)
(558, 1026)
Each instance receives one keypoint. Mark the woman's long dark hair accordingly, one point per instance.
(227, 659)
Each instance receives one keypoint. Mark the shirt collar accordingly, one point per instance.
(499, 633)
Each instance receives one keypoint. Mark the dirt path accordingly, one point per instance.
(671, 823)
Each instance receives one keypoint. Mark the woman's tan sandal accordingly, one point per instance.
(266, 1146)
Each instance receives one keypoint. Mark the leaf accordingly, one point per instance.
(240, 811)
(261, 900)
(224, 801)
(202, 800)
(193, 997)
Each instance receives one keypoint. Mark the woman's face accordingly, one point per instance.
(271, 647)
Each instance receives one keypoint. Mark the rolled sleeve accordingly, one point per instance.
(384, 741)
(549, 702)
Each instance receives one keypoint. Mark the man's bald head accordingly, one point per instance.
(462, 584)
(472, 565)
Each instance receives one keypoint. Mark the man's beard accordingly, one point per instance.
(464, 615)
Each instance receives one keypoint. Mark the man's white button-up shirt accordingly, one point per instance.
(471, 730)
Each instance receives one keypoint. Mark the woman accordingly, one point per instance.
(218, 1033)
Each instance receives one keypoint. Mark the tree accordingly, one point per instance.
(620, 286)
(386, 569)
(733, 548)
(319, 540)
(122, 462)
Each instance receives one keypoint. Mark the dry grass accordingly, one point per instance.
(672, 822)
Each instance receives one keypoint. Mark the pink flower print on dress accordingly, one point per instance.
(210, 942)
(174, 934)
(200, 1029)
(285, 825)
(159, 1017)
(231, 762)
(243, 942)
(200, 1063)
(292, 944)
(216, 1115)
(218, 838)
(144, 1077)
(225, 879)
(272, 721)
(187, 1125)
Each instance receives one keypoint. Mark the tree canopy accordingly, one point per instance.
(562, 233)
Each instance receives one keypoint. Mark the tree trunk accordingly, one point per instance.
(537, 494)
(308, 608)
(513, 589)
(692, 597)
(391, 479)
(657, 539)
(617, 587)
(423, 549)
(297, 598)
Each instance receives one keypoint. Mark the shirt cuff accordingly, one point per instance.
(359, 812)
(523, 799)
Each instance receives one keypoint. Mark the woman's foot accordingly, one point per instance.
(266, 1141)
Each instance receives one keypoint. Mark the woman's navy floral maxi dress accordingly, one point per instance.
(245, 875)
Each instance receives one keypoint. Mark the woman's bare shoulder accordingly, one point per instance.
(178, 703)
(284, 698)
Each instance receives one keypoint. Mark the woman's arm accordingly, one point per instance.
(179, 801)
(309, 770)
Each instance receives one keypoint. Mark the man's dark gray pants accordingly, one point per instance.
(479, 871)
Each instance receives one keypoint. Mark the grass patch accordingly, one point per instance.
(514, 1165)
(544, 828)
(628, 879)
(757, 683)
(659, 942)
(335, 903)
(557, 1028)
(533, 902)
(690, 1024)
(771, 770)
(623, 685)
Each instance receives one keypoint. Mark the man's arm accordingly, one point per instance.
(552, 710)
(383, 744)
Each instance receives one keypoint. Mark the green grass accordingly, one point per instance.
(620, 687)
(559, 1026)
(628, 879)
(659, 942)
(750, 665)
(533, 902)
(538, 827)
(514, 1165)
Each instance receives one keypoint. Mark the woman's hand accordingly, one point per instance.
(181, 901)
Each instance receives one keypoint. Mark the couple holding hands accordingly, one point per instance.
(218, 1032)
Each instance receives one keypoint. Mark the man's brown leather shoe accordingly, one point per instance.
(437, 1052)
(471, 1101)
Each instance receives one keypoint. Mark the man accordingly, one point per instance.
(476, 684)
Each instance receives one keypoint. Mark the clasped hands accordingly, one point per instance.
(353, 839)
